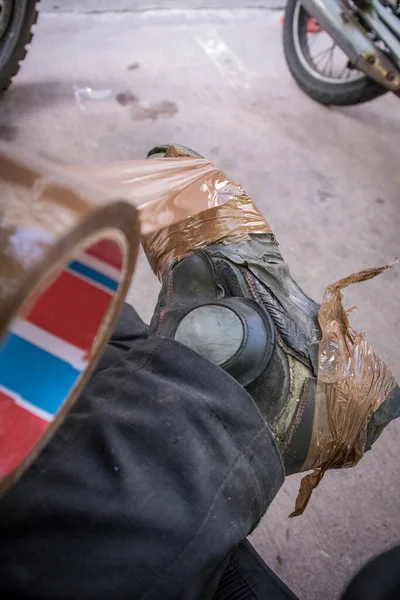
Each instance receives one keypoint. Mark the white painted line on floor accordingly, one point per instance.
(226, 61)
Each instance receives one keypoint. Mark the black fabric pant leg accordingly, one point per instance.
(162, 467)
(247, 577)
(378, 580)
(129, 330)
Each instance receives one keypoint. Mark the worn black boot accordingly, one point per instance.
(237, 305)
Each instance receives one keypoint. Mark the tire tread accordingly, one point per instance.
(21, 47)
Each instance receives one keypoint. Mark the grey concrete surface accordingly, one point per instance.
(327, 180)
(96, 6)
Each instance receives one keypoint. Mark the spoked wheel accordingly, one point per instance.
(17, 18)
(318, 64)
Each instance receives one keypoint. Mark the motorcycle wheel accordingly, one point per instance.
(17, 18)
(319, 66)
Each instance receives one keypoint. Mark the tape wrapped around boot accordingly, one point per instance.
(184, 203)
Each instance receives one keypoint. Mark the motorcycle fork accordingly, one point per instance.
(337, 18)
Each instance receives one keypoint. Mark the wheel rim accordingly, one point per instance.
(319, 53)
(6, 8)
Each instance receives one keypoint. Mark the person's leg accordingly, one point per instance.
(247, 577)
(377, 580)
(236, 302)
(166, 463)
(130, 329)
(163, 466)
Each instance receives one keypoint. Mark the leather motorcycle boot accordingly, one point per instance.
(263, 330)
(238, 306)
(172, 150)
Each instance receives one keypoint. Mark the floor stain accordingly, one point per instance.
(164, 109)
(324, 196)
(141, 112)
(9, 133)
(126, 98)
(227, 163)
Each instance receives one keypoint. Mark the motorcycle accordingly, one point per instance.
(343, 52)
(17, 18)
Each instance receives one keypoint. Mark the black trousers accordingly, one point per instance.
(148, 488)
(161, 469)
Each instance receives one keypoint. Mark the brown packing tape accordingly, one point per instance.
(352, 383)
(164, 190)
(42, 229)
(231, 222)
(184, 203)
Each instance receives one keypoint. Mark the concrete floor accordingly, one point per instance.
(326, 179)
(99, 6)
